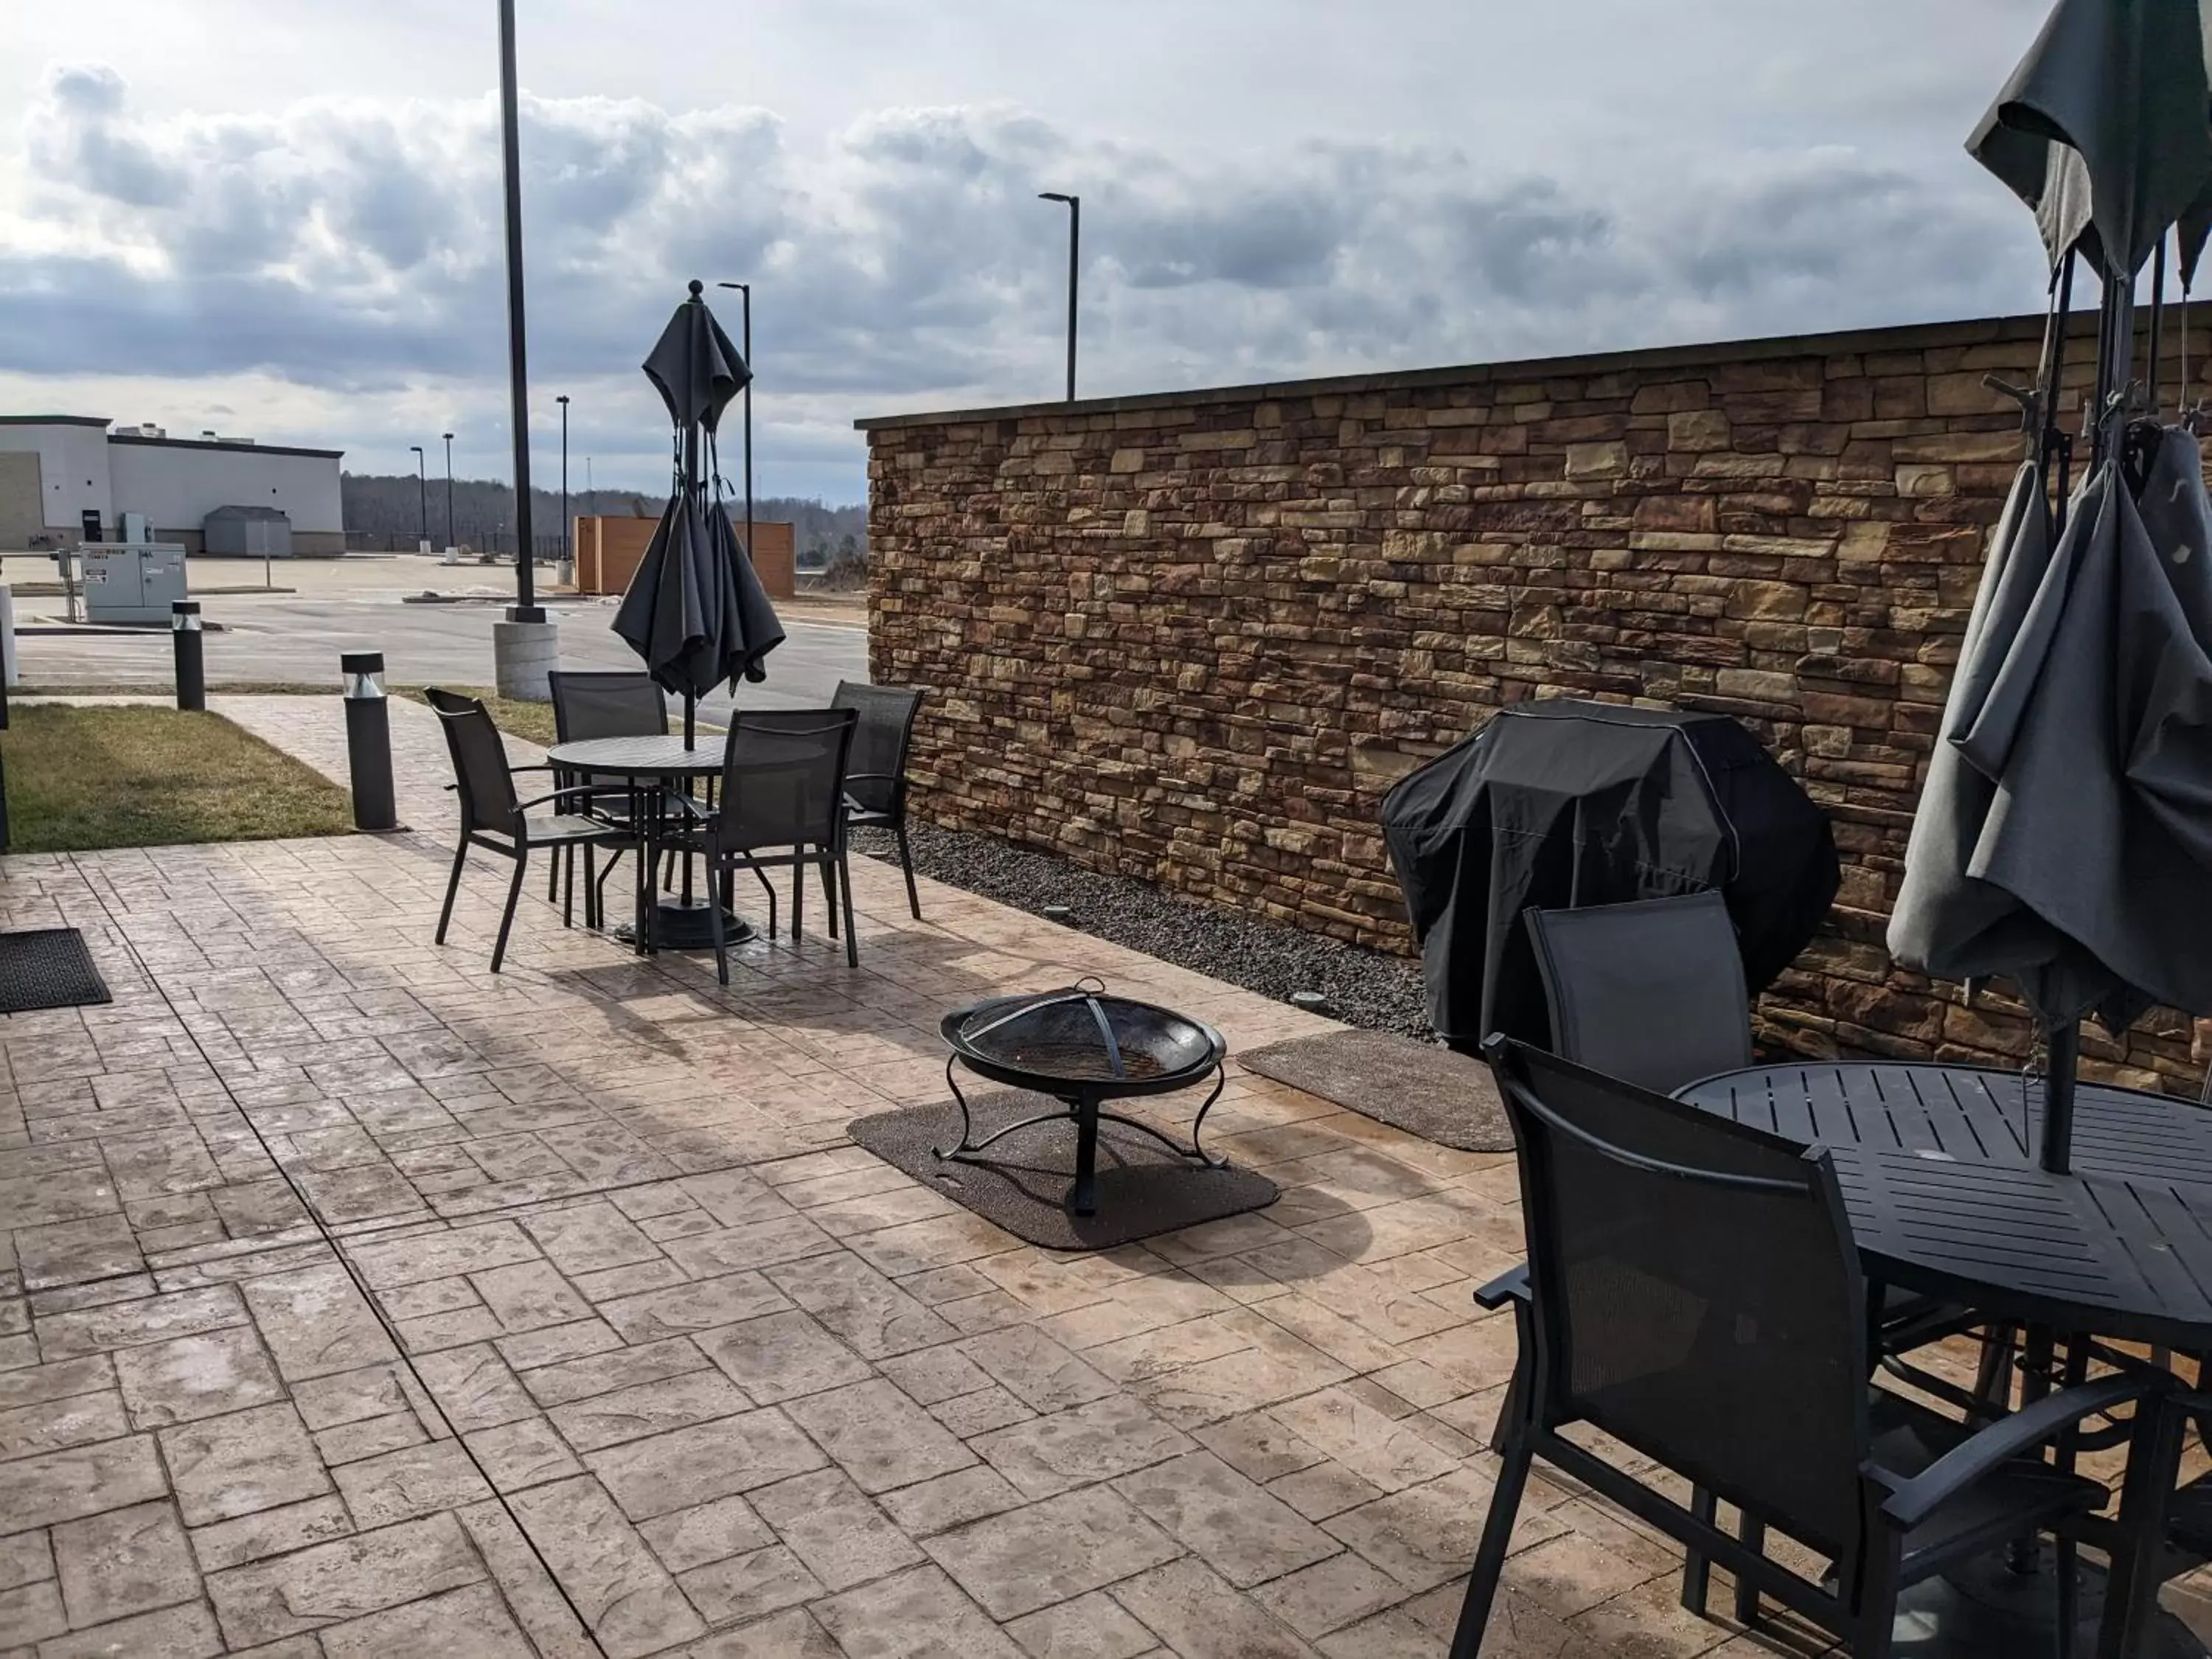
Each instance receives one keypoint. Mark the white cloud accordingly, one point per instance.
(346, 249)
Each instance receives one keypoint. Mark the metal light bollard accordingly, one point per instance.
(191, 670)
(368, 740)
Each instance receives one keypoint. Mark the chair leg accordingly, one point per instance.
(1490, 1556)
(2131, 1593)
(614, 858)
(829, 893)
(453, 887)
(553, 876)
(906, 865)
(768, 887)
(590, 886)
(852, 932)
(564, 862)
(1754, 1535)
(513, 898)
(1697, 1571)
(1878, 1601)
(2070, 1603)
(798, 896)
(714, 926)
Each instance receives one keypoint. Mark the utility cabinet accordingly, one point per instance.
(137, 583)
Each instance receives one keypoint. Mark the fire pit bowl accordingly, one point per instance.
(1081, 1047)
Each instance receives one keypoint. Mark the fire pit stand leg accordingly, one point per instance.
(1083, 1195)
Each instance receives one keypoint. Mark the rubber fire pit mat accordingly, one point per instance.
(1420, 1088)
(47, 967)
(1143, 1189)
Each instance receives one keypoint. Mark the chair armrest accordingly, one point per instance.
(586, 790)
(684, 803)
(1916, 1499)
(873, 777)
(1511, 1286)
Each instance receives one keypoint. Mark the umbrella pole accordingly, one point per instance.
(2157, 317)
(2056, 439)
(2065, 1044)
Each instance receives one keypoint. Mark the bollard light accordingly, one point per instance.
(191, 668)
(368, 740)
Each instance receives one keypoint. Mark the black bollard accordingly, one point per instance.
(368, 740)
(191, 670)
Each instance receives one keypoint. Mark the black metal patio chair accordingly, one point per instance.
(781, 805)
(875, 788)
(494, 818)
(1650, 992)
(1694, 1293)
(602, 703)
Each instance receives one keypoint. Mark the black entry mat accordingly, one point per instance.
(47, 967)
(1143, 1189)
(1418, 1087)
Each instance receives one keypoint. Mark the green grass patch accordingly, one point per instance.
(81, 779)
(531, 721)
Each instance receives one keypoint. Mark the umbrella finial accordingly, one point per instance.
(698, 287)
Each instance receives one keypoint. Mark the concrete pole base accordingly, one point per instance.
(522, 653)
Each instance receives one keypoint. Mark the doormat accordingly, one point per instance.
(1144, 1189)
(1420, 1088)
(47, 967)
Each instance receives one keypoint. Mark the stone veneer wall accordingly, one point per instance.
(1194, 637)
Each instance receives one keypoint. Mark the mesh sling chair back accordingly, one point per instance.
(1693, 1292)
(1651, 991)
(495, 818)
(603, 703)
(875, 788)
(781, 803)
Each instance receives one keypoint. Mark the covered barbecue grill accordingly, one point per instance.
(1558, 804)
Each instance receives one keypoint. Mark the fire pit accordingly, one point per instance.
(1081, 1047)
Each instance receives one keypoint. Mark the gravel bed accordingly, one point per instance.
(1365, 987)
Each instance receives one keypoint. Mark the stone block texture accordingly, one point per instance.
(1194, 637)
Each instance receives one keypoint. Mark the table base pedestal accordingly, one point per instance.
(1982, 1610)
(678, 926)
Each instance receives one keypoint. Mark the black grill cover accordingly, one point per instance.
(1556, 803)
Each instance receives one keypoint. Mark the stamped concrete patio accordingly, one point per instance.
(361, 1301)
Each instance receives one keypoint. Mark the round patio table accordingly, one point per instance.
(653, 767)
(1938, 1169)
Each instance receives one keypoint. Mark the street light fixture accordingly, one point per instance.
(568, 555)
(746, 350)
(423, 493)
(449, 492)
(1074, 245)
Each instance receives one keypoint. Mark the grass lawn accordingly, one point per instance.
(79, 779)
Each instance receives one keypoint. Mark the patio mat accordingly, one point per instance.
(1420, 1088)
(1143, 1189)
(47, 967)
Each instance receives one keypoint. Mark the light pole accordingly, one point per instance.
(423, 493)
(568, 555)
(449, 492)
(746, 350)
(1074, 247)
(526, 608)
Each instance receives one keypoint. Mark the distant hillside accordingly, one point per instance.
(383, 511)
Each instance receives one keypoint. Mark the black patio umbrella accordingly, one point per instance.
(2065, 835)
(695, 609)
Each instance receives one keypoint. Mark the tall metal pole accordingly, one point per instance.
(1074, 266)
(526, 608)
(449, 490)
(567, 554)
(422, 491)
(746, 350)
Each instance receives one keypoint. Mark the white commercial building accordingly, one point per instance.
(59, 471)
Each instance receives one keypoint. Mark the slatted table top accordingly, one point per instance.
(1938, 1169)
(640, 757)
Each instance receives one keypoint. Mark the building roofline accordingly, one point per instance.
(219, 443)
(56, 420)
(1967, 331)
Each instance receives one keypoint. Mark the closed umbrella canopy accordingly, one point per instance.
(695, 609)
(2064, 837)
(2104, 128)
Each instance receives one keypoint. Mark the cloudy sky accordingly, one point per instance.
(280, 219)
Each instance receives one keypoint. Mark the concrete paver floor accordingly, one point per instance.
(361, 1301)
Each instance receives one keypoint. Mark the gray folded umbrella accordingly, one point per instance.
(2065, 835)
(2103, 128)
(695, 608)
